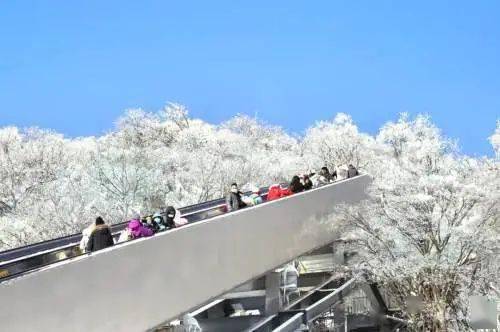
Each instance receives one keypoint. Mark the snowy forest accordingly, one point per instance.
(429, 229)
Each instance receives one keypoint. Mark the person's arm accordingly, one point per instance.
(229, 203)
(110, 238)
(90, 243)
(83, 245)
(146, 232)
(240, 202)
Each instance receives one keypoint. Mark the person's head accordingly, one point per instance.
(350, 166)
(99, 221)
(234, 187)
(324, 170)
(157, 218)
(170, 212)
(134, 225)
(295, 179)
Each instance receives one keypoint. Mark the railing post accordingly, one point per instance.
(273, 294)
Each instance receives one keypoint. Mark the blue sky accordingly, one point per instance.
(75, 66)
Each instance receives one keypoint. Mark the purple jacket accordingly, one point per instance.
(137, 230)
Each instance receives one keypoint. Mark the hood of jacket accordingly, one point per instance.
(138, 230)
(100, 227)
(134, 224)
(135, 227)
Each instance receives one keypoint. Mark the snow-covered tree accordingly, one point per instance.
(28, 161)
(430, 228)
(337, 143)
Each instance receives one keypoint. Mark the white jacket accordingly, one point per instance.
(85, 236)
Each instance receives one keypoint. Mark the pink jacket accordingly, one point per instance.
(138, 230)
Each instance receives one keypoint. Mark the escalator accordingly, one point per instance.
(139, 284)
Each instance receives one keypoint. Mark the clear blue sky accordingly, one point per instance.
(74, 66)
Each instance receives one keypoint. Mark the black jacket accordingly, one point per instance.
(100, 238)
(296, 187)
(308, 184)
(352, 172)
(169, 221)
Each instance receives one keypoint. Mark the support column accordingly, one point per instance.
(273, 294)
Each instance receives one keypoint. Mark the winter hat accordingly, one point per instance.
(99, 221)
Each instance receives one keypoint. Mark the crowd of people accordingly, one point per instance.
(99, 236)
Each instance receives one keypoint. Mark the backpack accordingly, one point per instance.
(274, 192)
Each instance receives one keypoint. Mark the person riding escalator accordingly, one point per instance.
(234, 199)
(296, 186)
(100, 237)
(306, 181)
(352, 171)
(173, 218)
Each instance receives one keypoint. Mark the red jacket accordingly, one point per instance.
(276, 192)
